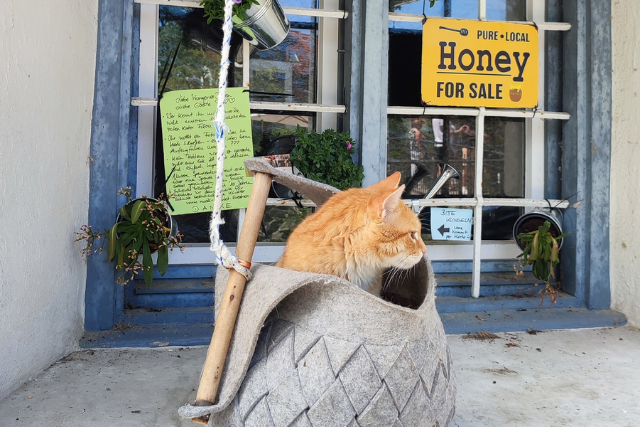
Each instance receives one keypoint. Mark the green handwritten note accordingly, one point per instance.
(190, 151)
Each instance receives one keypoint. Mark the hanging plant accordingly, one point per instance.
(261, 22)
(541, 251)
(214, 9)
(143, 227)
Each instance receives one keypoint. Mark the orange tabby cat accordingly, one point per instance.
(356, 235)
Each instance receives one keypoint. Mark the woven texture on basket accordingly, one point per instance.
(315, 350)
(300, 378)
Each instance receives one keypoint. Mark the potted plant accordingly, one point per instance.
(326, 157)
(261, 22)
(143, 226)
(540, 249)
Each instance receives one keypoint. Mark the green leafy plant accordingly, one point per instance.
(143, 227)
(326, 157)
(541, 251)
(214, 9)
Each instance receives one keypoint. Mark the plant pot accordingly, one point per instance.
(171, 223)
(265, 25)
(532, 220)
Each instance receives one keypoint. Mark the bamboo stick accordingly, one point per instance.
(223, 330)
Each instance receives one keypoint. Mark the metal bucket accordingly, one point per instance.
(554, 216)
(265, 24)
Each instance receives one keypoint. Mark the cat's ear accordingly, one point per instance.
(387, 203)
(389, 183)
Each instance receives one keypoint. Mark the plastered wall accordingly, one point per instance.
(625, 160)
(46, 96)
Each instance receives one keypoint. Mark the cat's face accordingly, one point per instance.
(394, 227)
(357, 235)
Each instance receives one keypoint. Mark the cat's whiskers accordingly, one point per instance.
(400, 271)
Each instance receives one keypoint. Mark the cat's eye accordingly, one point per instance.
(413, 235)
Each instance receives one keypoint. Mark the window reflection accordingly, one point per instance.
(417, 145)
(189, 50)
(497, 10)
(286, 73)
(189, 58)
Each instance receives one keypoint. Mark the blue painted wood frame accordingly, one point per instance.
(586, 155)
(553, 98)
(373, 70)
(109, 153)
(585, 66)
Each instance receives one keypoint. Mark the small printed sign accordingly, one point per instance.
(451, 224)
(479, 64)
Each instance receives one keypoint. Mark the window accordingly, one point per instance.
(498, 153)
(295, 83)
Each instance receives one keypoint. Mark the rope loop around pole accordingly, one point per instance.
(224, 257)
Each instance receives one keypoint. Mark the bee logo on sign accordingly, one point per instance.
(479, 64)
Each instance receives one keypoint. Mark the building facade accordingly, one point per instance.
(348, 65)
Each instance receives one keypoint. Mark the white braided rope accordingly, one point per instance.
(223, 256)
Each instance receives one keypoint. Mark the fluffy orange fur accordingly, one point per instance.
(357, 235)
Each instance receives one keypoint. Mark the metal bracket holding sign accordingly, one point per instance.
(479, 64)
(451, 224)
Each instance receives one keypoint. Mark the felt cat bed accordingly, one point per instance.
(316, 350)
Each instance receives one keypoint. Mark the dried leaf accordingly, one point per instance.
(482, 335)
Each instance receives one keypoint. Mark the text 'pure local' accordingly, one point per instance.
(479, 63)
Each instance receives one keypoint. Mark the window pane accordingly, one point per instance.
(405, 41)
(310, 4)
(278, 222)
(267, 128)
(509, 10)
(183, 33)
(504, 153)
(417, 146)
(271, 135)
(497, 10)
(287, 73)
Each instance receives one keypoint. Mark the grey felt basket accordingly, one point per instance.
(316, 350)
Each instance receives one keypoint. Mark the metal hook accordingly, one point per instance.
(424, 20)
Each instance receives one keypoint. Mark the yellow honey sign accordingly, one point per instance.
(479, 64)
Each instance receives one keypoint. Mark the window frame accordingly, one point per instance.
(374, 149)
(327, 109)
(581, 85)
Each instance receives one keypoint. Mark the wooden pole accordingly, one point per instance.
(223, 330)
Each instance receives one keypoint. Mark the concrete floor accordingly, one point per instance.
(587, 377)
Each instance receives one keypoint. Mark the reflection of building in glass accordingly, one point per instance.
(293, 61)
(285, 73)
(452, 140)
